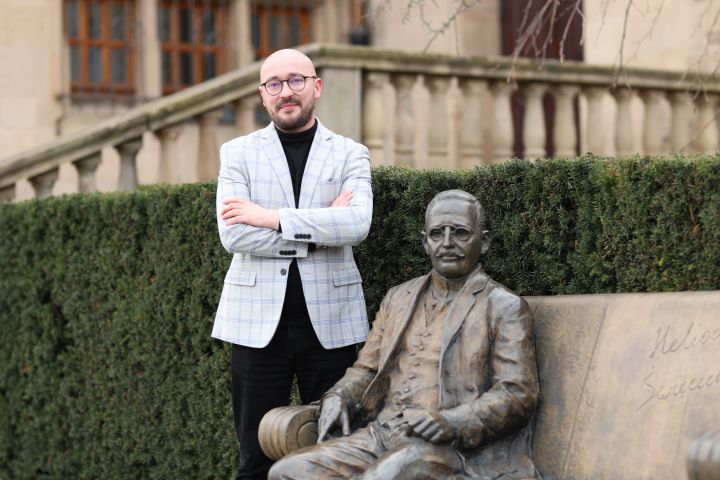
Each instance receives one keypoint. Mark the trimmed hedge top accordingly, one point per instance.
(107, 368)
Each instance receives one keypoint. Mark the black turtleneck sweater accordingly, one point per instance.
(297, 148)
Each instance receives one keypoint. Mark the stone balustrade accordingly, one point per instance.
(416, 110)
(432, 111)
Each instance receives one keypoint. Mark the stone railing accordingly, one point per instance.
(417, 110)
(449, 112)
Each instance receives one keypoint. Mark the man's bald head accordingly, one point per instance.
(288, 60)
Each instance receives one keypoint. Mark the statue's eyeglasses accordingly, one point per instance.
(459, 233)
(296, 84)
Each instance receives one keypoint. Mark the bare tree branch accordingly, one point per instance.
(576, 10)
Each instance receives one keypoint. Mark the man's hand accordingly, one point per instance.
(431, 426)
(333, 412)
(343, 200)
(242, 210)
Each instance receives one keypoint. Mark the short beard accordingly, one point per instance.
(307, 112)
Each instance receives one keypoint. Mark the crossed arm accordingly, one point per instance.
(241, 210)
(267, 228)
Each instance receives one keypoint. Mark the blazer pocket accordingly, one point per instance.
(240, 277)
(330, 190)
(346, 276)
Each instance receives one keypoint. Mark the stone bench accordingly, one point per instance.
(630, 389)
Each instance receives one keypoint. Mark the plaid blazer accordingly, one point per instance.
(255, 167)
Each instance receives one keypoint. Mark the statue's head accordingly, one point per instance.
(455, 237)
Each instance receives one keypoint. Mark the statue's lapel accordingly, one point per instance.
(375, 392)
(460, 308)
(413, 295)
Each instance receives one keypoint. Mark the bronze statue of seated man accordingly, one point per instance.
(447, 377)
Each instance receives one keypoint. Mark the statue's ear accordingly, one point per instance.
(485, 242)
(424, 242)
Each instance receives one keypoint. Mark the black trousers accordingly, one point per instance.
(262, 379)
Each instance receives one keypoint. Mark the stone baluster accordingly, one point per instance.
(623, 123)
(208, 164)
(707, 123)
(596, 125)
(44, 182)
(86, 168)
(502, 122)
(405, 119)
(7, 194)
(652, 127)
(128, 169)
(534, 136)
(245, 115)
(564, 135)
(374, 117)
(680, 125)
(169, 154)
(438, 128)
(471, 124)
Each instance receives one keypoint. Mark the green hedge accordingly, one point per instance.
(107, 368)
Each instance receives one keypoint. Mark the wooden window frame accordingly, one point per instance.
(262, 10)
(106, 44)
(174, 46)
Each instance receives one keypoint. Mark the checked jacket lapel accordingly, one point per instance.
(276, 158)
(319, 151)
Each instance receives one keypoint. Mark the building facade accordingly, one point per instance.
(69, 65)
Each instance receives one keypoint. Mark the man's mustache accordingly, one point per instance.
(280, 105)
(450, 254)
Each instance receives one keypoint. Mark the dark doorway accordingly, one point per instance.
(544, 43)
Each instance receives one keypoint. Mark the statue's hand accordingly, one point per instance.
(333, 413)
(431, 426)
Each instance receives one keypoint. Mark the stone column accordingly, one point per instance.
(707, 123)
(169, 154)
(208, 165)
(86, 172)
(596, 125)
(404, 120)
(373, 121)
(502, 126)
(340, 107)
(680, 128)
(128, 169)
(7, 194)
(652, 132)
(245, 114)
(471, 123)
(564, 135)
(241, 18)
(438, 127)
(623, 123)
(534, 136)
(43, 183)
(150, 53)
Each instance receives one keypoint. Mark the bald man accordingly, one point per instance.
(292, 200)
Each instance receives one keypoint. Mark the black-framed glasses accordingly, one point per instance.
(296, 84)
(437, 233)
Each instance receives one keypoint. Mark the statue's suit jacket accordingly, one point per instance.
(255, 167)
(488, 374)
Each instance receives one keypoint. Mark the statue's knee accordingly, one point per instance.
(281, 469)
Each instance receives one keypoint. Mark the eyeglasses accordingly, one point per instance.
(460, 233)
(296, 84)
